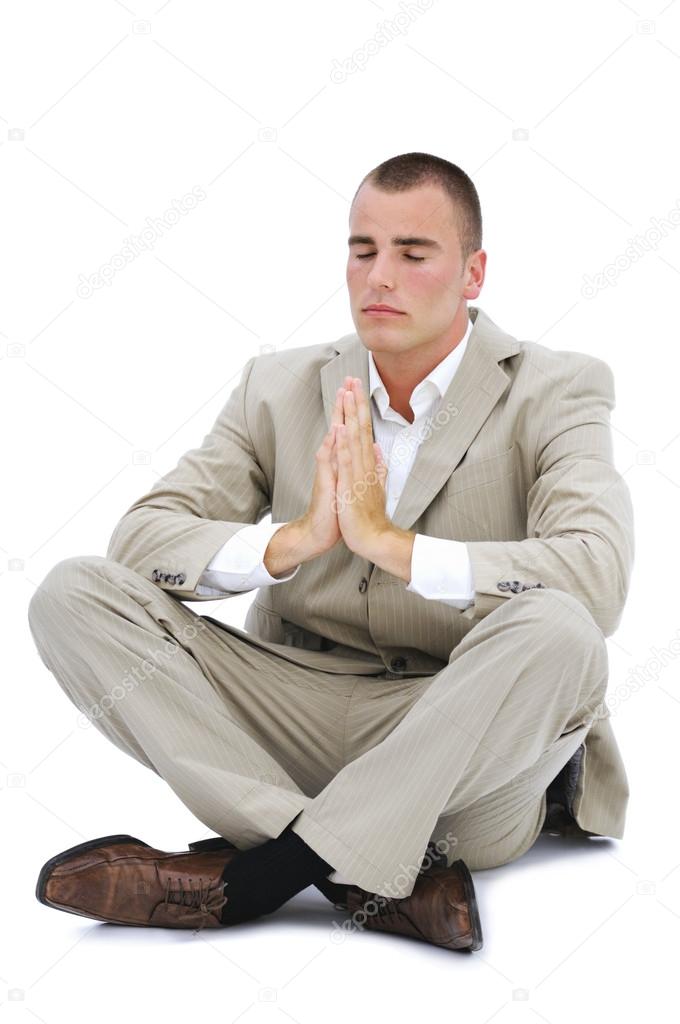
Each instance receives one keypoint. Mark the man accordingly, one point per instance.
(419, 689)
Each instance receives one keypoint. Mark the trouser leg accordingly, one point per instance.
(518, 694)
(245, 738)
(504, 824)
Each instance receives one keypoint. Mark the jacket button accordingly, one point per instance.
(397, 664)
(155, 575)
(516, 587)
(363, 585)
(503, 585)
(180, 578)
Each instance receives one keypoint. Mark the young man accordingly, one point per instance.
(424, 666)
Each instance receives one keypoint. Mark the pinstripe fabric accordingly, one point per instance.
(440, 568)
(483, 706)
(369, 768)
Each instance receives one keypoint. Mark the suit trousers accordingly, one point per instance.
(369, 768)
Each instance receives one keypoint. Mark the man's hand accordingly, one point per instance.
(321, 520)
(361, 474)
(317, 531)
(348, 498)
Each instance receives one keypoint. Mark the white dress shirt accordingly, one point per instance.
(440, 568)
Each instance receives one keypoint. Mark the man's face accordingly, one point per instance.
(428, 283)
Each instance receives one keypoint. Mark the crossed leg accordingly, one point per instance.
(368, 768)
(472, 758)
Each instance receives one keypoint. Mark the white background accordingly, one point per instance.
(563, 114)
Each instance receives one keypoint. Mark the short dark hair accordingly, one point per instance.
(408, 170)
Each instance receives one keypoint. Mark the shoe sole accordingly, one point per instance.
(49, 866)
(475, 923)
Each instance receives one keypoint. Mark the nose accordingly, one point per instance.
(380, 274)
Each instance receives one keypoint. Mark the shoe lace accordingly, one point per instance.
(207, 898)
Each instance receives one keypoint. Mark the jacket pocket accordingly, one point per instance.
(481, 472)
(482, 501)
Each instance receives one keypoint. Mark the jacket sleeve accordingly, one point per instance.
(580, 528)
(239, 564)
(172, 532)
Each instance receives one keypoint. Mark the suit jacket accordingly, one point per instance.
(517, 462)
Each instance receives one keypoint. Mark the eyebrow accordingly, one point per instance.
(396, 240)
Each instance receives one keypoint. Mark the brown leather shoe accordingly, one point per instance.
(441, 909)
(336, 892)
(123, 880)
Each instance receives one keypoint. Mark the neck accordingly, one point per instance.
(401, 372)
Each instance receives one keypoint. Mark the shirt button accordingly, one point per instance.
(397, 664)
(363, 585)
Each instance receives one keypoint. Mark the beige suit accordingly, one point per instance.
(518, 464)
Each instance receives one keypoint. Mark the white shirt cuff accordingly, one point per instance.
(441, 571)
(238, 565)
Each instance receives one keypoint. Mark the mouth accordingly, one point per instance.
(381, 310)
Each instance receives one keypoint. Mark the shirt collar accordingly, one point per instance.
(434, 385)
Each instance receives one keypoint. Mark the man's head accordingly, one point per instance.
(414, 196)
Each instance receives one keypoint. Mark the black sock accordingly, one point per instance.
(261, 879)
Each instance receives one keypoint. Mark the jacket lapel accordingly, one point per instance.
(477, 385)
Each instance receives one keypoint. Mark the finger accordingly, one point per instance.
(334, 450)
(363, 414)
(381, 468)
(337, 413)
(352, 434)
(345, 477)
(324, 454)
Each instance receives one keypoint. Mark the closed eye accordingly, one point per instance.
(416, 259)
